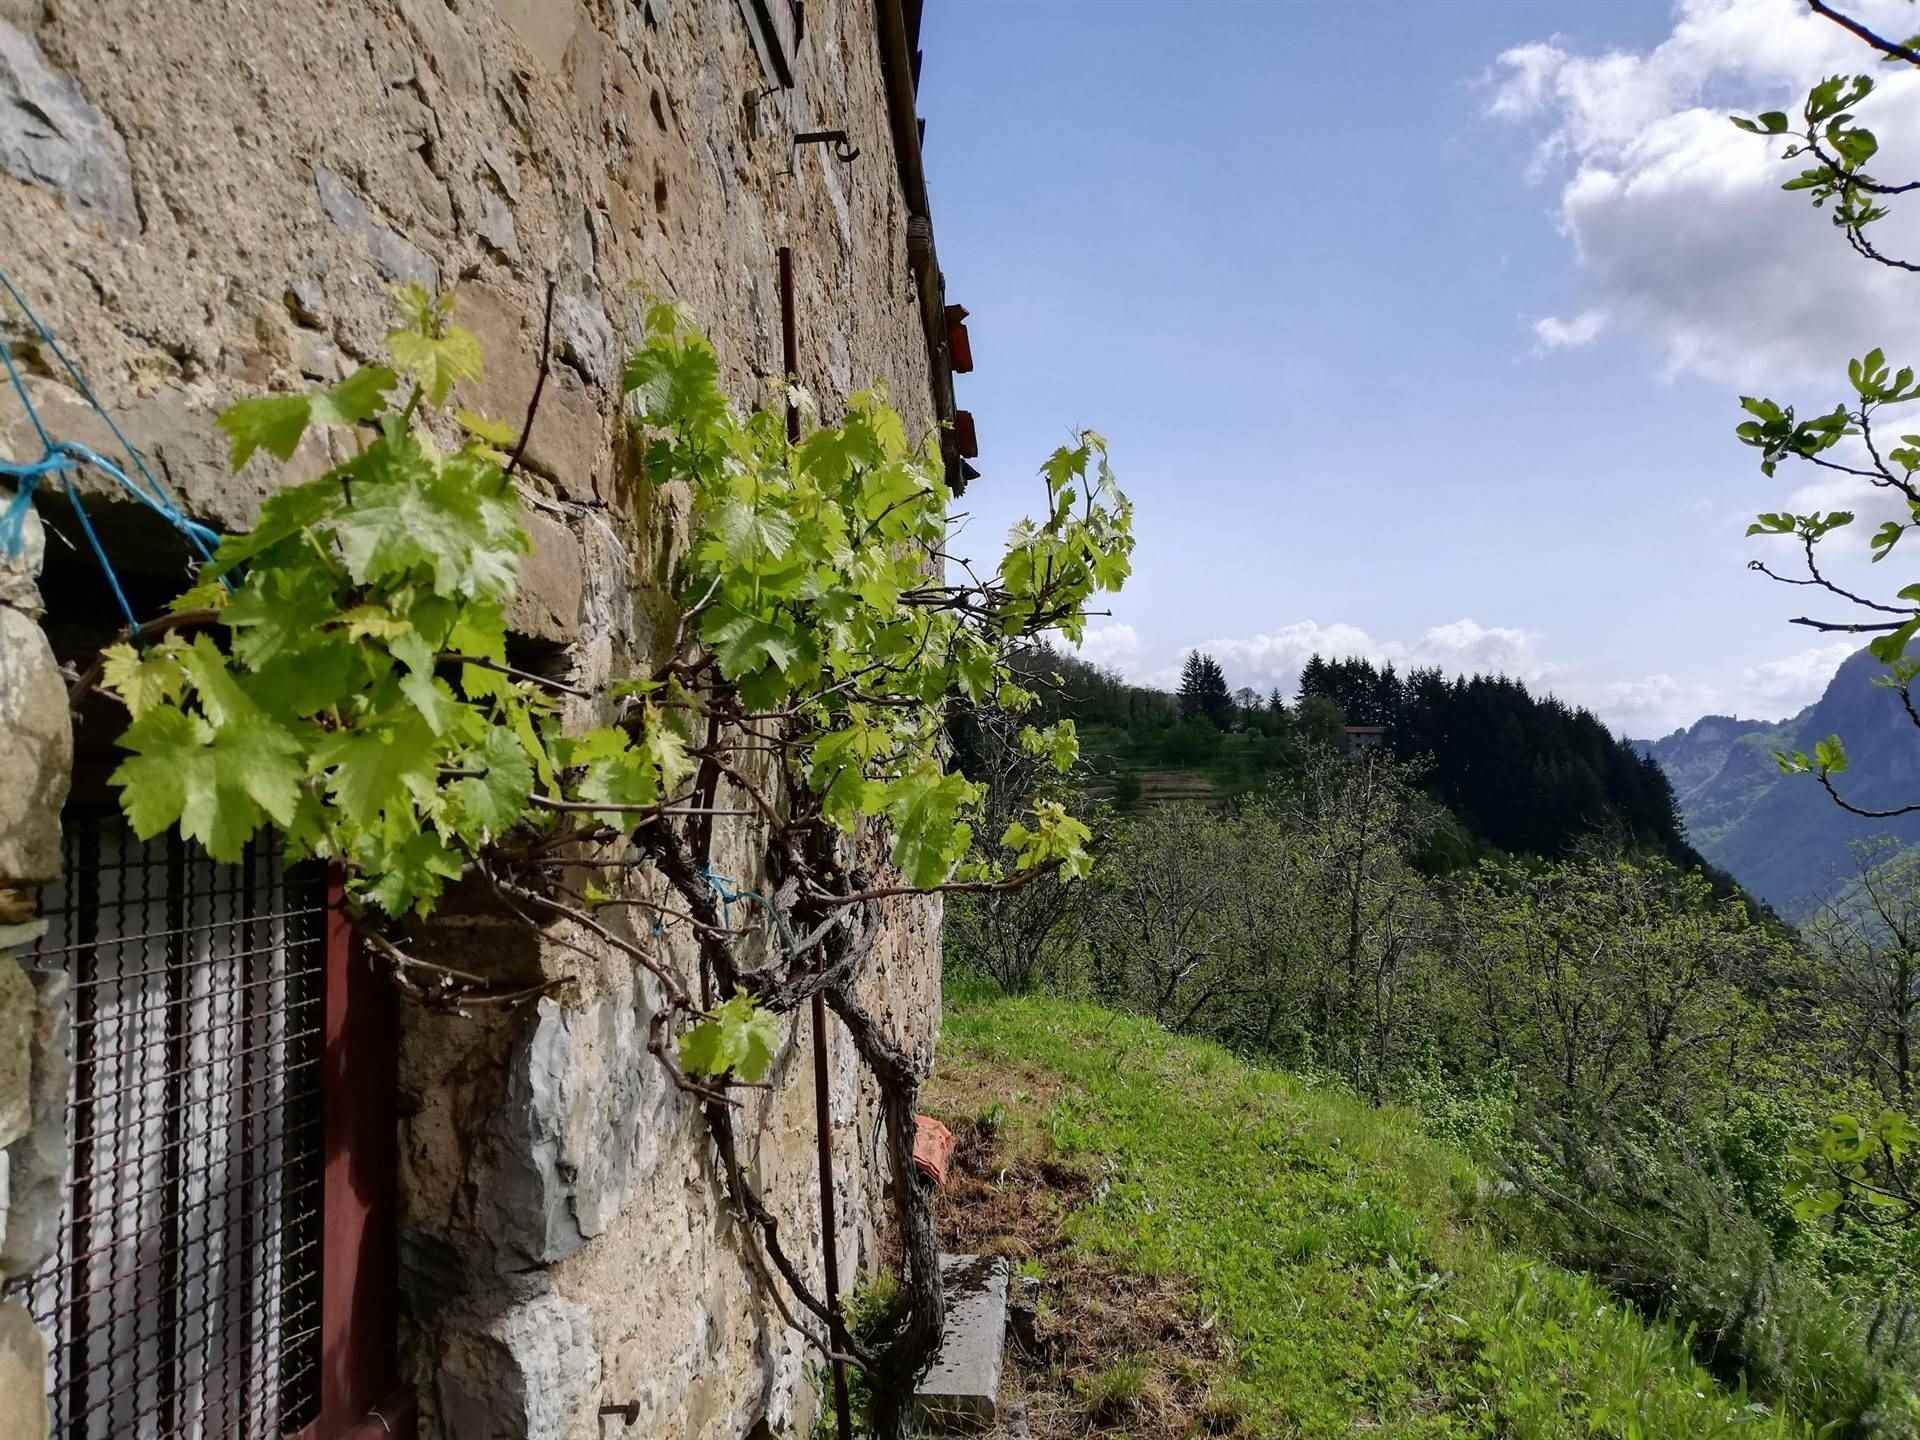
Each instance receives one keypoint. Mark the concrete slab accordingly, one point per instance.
(961, 1392)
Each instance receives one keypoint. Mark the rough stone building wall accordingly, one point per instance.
(212, 198)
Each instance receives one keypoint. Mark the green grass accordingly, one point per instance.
(1235, 769)
(1349, 1257)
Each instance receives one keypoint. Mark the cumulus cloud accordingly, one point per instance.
(1648, 705)
(1114, 647)
(1641, 706)
(1790, 684)
(1652, 705)
(1681, 231)
(1583, 329)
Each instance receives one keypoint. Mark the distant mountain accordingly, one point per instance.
(1780, 836)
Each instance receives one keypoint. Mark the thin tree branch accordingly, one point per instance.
(1889, 48)
(539, 384)
(1852, 809)
(454, 657)
(1831, 627)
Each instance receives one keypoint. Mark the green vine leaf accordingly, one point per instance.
(429, 349)
(276, 423)
(737, 1037)
(492, 802)
(144, 680)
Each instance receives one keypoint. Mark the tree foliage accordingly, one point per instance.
(1528, 774)
(1203, 691)
(1861, 439)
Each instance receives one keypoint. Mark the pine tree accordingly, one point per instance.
(1203, 690)
(1314, 678)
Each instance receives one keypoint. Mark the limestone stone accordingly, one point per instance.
(20, 565)
(495, 225)
(23, 1368)
(18, 1012)
(37, 1162)
(961, 1390)
(528, 1373)
(397, 257)
(552, 577)
(36, 752)
(52, 135)
(584, 336)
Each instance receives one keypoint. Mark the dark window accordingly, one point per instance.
(777, 28)
(184, 1295)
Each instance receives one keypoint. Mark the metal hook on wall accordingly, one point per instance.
(843, 150)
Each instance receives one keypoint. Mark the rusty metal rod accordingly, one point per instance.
(822, 1099)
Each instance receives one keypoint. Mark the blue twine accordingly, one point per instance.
(61, 456)
(728, 894)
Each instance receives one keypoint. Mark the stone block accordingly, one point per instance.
(528, 1373)
(18, 1011)
(396, 257)
(36, 752)
(37, 1162)
(545, 27)
(961, 1391)
(20, 566)
(174, 427)
(52, 135)
(583, 1113)
(23, 1373)
(570, 440)
(552, 578)
(583, 336)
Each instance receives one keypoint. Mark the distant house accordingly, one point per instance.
(1358, 739)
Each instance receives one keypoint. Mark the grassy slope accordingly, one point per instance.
(1345, 1254)
(1111, 753)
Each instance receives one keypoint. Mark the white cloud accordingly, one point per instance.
(1114, 647)
(1784, 686)
(1647, 706)
(1677, 218)
(1641, 706)
(1274, 657)
(1583, 329)
(1654, 705)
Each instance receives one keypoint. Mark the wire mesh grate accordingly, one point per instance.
(183, 1299)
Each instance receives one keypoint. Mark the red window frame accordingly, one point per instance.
(362, 1396)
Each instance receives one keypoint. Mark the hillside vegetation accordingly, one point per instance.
(1331, 1270)
(1709, 1114)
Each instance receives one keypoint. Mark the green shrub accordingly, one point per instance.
(1668, 1224)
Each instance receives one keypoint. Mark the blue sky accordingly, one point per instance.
(1417, 329)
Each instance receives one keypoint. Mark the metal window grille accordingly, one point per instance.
(184, 1297)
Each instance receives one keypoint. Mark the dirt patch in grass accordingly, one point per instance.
(1095, 1349)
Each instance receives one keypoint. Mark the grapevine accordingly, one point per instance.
(340, 674)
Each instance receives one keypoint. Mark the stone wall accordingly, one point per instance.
(211, 198)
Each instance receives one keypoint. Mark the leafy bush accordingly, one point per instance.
(1474, 1111)
(1668, 1224)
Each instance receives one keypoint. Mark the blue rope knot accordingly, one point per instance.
(58, 457)
(727, 892)
(724, 891)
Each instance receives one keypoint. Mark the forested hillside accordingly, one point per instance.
(1779, 835)
(1528, 774)
(1521, 774)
